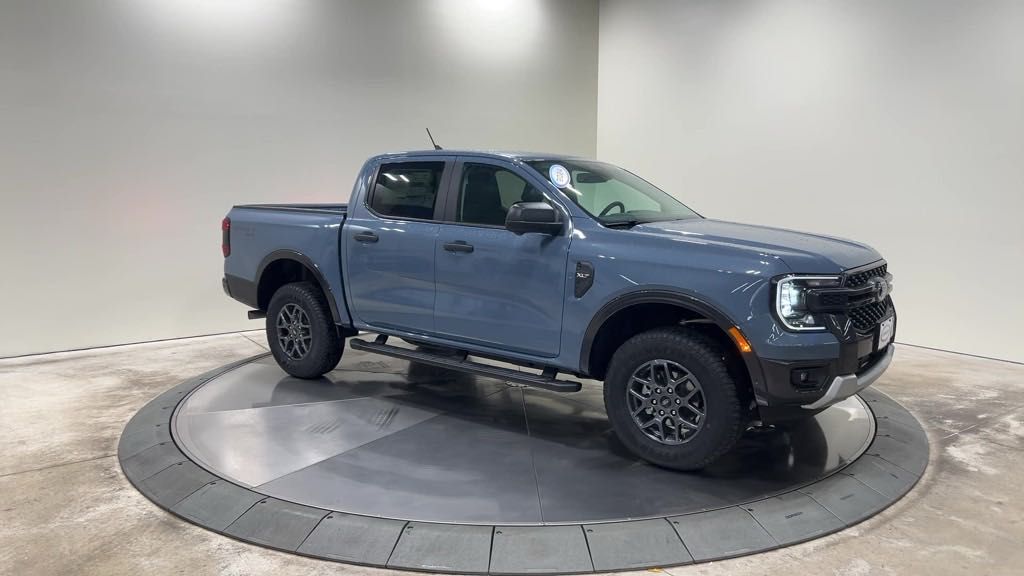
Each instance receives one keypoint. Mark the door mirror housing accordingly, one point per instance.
(539, 217)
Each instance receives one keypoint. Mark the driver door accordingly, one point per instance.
(496, 288)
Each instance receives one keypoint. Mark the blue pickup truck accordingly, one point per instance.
(571, 268)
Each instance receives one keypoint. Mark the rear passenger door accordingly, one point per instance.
(496, 288)
(389, 244)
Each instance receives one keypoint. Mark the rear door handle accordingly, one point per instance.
(458, 246)
(366, 237)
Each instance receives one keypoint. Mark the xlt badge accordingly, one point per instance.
(584, 278)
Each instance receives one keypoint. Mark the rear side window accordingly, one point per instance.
(407, 189)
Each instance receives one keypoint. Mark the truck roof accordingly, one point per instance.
(500, 154)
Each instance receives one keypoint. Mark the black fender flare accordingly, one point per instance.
(665, 295)
(306, 262)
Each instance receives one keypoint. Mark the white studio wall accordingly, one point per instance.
(900, 124)
(129, 128)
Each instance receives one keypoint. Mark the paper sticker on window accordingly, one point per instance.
(559, 175)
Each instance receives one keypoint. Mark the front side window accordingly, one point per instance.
(407, 189)
(487, 191)
(615, 196)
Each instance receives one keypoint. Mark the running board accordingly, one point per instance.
(459, 362)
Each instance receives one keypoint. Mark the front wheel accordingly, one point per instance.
(301, 332)
(672, 400)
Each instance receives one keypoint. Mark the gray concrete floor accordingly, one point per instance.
(66, 508)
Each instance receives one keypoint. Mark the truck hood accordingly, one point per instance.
(802, 252)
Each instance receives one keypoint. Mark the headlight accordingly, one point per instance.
(791, 301)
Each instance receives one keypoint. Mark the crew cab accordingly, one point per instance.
(575, 269)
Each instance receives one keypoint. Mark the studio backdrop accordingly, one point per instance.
(899, 124)
(129, 127)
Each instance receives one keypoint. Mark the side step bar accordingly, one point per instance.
(459, 362)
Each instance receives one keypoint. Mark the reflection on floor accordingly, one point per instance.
(66, 508)
(422, 443)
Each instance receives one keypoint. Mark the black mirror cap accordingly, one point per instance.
(539, 217)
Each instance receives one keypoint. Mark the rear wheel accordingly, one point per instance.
(301, 332)
(672, 400)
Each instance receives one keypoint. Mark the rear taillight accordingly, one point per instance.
(225, 237)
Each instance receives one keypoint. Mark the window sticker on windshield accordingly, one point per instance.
(559, 175)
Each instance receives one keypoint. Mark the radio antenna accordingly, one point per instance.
(436, 147)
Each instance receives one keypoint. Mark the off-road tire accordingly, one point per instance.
(327, 344)
(723, 422)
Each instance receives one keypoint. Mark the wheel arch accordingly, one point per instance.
(285, 266)
(633, 312)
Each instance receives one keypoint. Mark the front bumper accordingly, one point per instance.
(821, 374)
(842, 387)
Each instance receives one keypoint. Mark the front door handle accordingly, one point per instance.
(366, 237)
(459, 246)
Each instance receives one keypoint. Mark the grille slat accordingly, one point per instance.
(866, 317)
(833, 300)
(859, 279)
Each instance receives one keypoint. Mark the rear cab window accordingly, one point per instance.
(406, 190)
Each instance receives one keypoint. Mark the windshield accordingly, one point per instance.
(612, 195)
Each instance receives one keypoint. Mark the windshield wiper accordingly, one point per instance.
(628, 223)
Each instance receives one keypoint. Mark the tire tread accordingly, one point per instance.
(701, 350)
(328, 344)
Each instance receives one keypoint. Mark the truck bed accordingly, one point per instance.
(305, 234)
(321, 208)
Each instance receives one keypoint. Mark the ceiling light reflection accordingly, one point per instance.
(224, 21)
(490, 30)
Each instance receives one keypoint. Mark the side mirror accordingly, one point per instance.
(539, 217)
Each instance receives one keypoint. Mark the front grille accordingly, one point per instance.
(858, 279)
(866, 317)
(833, 300)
